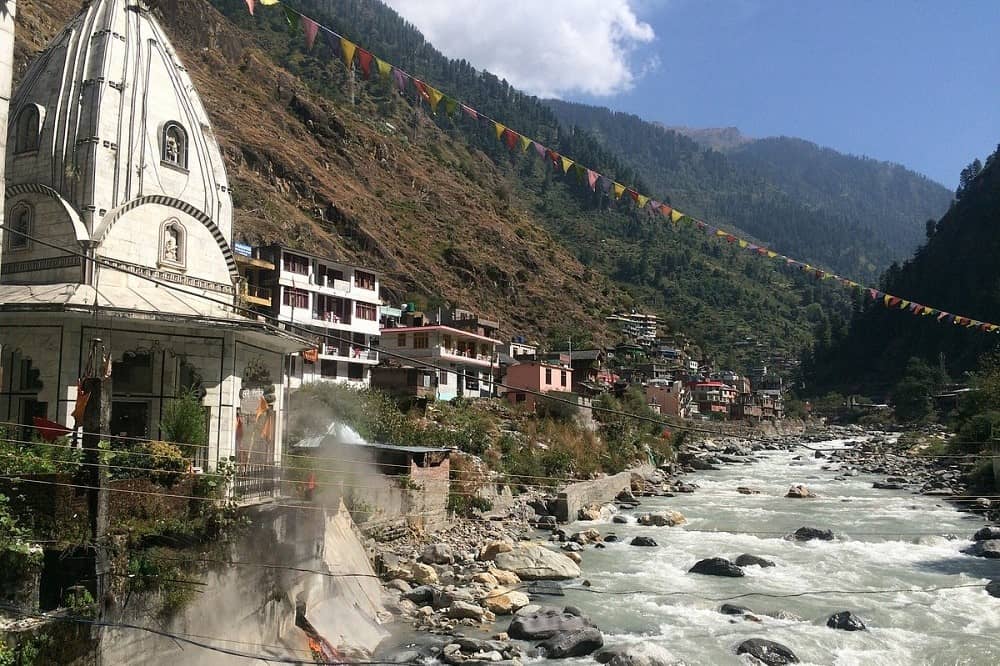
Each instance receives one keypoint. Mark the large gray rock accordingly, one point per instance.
(437, 553)
(993, 587)
(847, 621)
(716, 566)
(533, 562)
(665, 519)
(987, 534)
(422, 594)
(545, 624)
(578, 643)
(810, 533)
(768, 652)
(645, 541)
(461, 610)
(748, 560)
(989, 549)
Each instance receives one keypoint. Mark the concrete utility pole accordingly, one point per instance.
(96, 418)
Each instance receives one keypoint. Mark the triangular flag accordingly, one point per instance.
(676, 215)
(525, 143)
(347, 48)
(400, 77)
(942, 315)
(510, 137)
(269, 2)
(619, 190)
(434, 96)
(309, 29)
(499, 129)
(592, 179)
(641, 200)
(384, 68)
(606, 183)
(566, 164)
(633, 194)
(903, 304)
(720, 233)
(469, 111)
(250, 6)
(743, 244)
(580, 171)
(365, 62)
(450, 105)
(730, 238)
(421, 89)
(290, 16)
(771, 254)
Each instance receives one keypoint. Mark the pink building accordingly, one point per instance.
(537, 376)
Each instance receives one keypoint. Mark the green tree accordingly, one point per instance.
(911, 397)
(184, 422)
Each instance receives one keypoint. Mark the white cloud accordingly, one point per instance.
(545, 47)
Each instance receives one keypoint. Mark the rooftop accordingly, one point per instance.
(437, 327)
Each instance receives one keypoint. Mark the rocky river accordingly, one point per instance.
(885, 566)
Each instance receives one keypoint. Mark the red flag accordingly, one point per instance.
(510, 137)
(632, 193)
(365, 62)
(50, 431)
(665, 209)
(592, 179)
(469, 111)
(309, 29)
(422, 89)
(250, 6)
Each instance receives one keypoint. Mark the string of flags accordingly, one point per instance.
(372, 66)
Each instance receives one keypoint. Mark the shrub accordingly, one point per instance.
(183, 422)
(161, 462)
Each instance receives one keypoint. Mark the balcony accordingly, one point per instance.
(348, 353)
(256, 295)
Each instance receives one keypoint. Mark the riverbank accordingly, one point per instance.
(467, 574)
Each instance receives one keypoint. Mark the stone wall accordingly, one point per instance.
(596, 491)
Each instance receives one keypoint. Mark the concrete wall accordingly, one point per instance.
(253, 607)
(578, 495)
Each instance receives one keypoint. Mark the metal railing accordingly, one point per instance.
(255, 481)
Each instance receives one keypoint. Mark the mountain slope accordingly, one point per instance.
(956, 271)
(885, 198)
(815, 204)
(357, 171)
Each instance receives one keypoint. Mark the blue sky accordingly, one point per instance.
(913, 82)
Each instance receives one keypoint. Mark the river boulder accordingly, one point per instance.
(577, 643)
(767, 652)
(987, 534)
(733, 609)
(646, 542)
(489, 552)
(462, 610)
(665, 519)
(993, 587)
(989, 548)
(590, 512)
(716, 566)
(847, 621)
(811, 533)
(586, 536)
(533, 562)
(546, 623)
(744, 490)
(505, 603)
(748, 560)
(437, 553)
(415, 572)
(422, 594)
(799, 491)
(619, 519)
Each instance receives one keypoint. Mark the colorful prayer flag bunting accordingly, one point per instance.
(525, 143)
(592, 179)
(434, 96)
(365, 62)
(510, 138)
(619, 190)
(309, 29)
(384, 68)
(566, 163)
(347, 49)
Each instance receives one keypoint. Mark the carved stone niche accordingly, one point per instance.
(173, 245)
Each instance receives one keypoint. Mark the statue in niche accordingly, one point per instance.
(171, 244)
(172, 149)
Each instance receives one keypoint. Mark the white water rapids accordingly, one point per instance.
(883, 540)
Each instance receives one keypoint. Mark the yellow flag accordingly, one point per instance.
(566, 163)
(676, 215)
(499, 128)
(619, 190)
(268, 2)
(384, 68)
(348, 48)
(904, 304)
(742, 243)
(641, 200)
(886, 299)
(771, 254)
(435, 96)
(720, 233)
(525, 143)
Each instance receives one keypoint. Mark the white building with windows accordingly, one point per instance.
(336, 305)
(466, 362)
(119, 228)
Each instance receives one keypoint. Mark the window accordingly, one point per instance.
(401, 339)
(366, 311)
(562, 378)
(420, 341)
(355, 371)
(442, 377)
(173, 244)
(174, 146)
(20, 227)
(327, 275)
(520, 397)
(28, 124)
(133, 374)
(364, 280)
(31, 377)
(129, 419)
(296, 298)
(327, 368)
(294, 263)
(548, 375)
(446, 341)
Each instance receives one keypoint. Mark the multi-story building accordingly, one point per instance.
(525, 380)
(672, 397)
(713, 398)
(334, 303)
(466, 362)
(641, 328)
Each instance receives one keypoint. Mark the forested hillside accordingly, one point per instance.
(351, 168)
(957, 270)
(852, 215)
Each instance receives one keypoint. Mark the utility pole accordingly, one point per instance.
(96, 417)
(995, 452)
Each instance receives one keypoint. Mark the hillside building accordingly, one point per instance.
(466, 362)
(525, 380)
